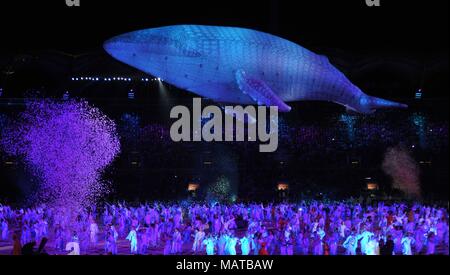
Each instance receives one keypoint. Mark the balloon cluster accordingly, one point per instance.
(66, 145)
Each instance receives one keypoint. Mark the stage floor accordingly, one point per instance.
(124, 249)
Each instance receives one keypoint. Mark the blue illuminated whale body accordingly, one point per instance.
(242, 66)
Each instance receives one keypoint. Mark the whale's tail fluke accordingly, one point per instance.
(380, 103)
(369, 104)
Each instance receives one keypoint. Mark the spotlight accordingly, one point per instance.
(66, 95)
(281, 186)
(419, 94)
(131, 94)
(1, 92)
(192, 187)
(372, 186)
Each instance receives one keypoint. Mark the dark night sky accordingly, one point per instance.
(419, 26)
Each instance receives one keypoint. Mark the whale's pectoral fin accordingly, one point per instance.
(351, 111)
(259, 91)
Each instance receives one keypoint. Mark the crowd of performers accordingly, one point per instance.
(307, 228)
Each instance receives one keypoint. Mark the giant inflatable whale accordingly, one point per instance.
(241, 66)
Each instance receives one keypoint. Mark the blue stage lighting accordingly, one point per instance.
(131, 94)
(419, 94)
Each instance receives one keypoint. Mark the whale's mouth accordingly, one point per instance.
(143, 42)
(119, 48)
